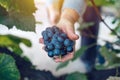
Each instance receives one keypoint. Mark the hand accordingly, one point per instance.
(66, 24)
(67, 27)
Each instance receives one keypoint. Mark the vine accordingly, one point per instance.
(101, 19)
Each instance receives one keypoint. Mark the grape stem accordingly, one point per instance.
(60, 56)
(101, 19)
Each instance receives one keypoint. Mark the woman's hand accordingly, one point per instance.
(66, 24)
(67, 27)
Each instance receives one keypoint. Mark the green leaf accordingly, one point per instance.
(18, 13)
(18, 40)
(62, 65)
(117, 29)
(76, 76)
(85, 25)
(8, 69)
(110, 56)
(12, 42)
(21, 21)
(79, 52)
(100, 67)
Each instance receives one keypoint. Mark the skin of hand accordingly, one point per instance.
(66, 24)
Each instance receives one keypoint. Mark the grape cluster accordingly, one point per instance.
(56, 42)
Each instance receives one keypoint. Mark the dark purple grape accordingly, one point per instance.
(60, 39)
(50, 53)
(56, 29)
(68, 42)
(50, 46)
(44, 33)
(63, 52)
(57, 52)
(45, 37)
(69, 49)
(46, 49)
(58, 45)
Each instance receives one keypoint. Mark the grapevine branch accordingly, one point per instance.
(102, 20)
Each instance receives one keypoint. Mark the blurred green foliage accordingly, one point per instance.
(18, 13)
(76, 76)
(13, 43)
(8, 69)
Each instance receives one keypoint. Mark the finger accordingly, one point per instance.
(72, 35)
(41, 40)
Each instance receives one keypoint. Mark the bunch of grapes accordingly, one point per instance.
(56, 42)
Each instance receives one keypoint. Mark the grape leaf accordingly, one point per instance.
(79, 52)
(8, 69)
(18, 13)
(110, 56)
(117, 29)
(76, 76)
(21, 21)
(13, 42)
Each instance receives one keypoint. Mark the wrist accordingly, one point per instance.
(70, 14)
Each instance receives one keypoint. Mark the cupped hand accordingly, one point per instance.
(67, 27)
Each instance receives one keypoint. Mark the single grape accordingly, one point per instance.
(57, 52)
(50, 46)
(50, 53)
(60, 39)
(46, 49)
(55, 36)
(54, 40)
(63, 52)
(45, 36)
(69, 49)
(48, 29)
(56, 29)
(68, 42)
(44, 33)
(50, 34)
(58, 45)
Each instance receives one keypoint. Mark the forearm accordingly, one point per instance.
(57, 4)
(77, 5)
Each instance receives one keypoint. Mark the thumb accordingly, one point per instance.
(72, 35)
